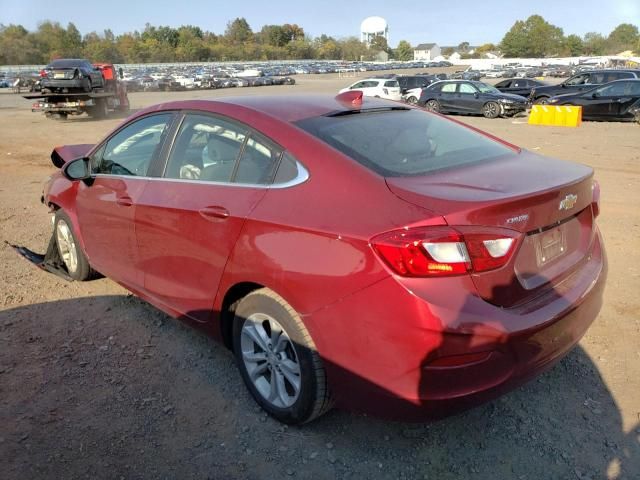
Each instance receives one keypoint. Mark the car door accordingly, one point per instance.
(106, 208)
(520, 87)
(189, 220)
(604, 101)
(447, 97)
(467, 98)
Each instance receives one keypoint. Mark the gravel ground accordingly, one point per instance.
(95, 383)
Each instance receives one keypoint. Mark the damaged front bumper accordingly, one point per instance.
(49, 262)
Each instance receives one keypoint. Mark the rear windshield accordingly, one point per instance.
(67, 63)
(403, 142)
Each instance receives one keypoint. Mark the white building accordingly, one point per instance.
(372, 27)
(426, 52)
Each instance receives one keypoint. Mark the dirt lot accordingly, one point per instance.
(95, 383)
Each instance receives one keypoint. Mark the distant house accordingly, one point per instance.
(426, 51)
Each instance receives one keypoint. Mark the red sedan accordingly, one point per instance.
(349, 251)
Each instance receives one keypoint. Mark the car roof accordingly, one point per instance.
(287, 108)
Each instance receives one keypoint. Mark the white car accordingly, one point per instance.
(412, 95)
(377, 87)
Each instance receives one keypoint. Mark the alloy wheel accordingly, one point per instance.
(66, 246)
(271, 360)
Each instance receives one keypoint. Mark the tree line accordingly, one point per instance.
(533, 37)
(187, 43)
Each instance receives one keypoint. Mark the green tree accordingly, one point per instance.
(463, 47)
(379, 44)
(19, 47)
(238, 31)
(594, 43)
(573, 45)
(403, 51)
(623, 37)
(273, 35)
(534, 37)
(485, 48)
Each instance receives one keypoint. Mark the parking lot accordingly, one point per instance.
(95, 383)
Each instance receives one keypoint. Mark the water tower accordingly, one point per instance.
(372, 27)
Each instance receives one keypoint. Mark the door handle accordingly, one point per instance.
(124, 201)
(214, 213)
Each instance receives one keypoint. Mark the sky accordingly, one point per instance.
(441, 22)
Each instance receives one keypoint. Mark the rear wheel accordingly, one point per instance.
(69, 249)
(433, 106)
(491, 110)
(100, 110)
(412, 100)
(88, 86)
(278, 359)
(541, 100)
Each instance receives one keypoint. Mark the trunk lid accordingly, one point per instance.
(546, 200)
(66, 153)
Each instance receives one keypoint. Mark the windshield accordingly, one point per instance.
(484, 88)
(403, 142)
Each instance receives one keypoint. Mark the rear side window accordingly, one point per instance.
(449, 88)
(391, 83)
(404, 142)
(257, 163)
(206, 148)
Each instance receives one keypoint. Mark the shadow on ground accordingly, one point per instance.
(109, 387)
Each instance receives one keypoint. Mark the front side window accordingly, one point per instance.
(131, 150)
(466, 88)
(206, 148)
(578, 80)
(404, 142)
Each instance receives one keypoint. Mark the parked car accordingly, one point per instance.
(460, 96)
(377, 87)
(519, 86)
(466, 75)
(613, 101)
(585, 80)
(409, 82)
(346, 249)
(71, 75)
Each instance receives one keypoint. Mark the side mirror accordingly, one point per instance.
(594, 95)
(476, 95)
(78, 169)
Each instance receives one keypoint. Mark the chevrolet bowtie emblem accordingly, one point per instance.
(568, 202)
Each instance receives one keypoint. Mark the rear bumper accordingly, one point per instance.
(65, 83)
(379, 345)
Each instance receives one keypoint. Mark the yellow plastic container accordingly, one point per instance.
(556, 115)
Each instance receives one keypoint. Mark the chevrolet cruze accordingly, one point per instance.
(350, 251)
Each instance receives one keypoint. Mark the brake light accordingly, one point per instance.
(43, 73)
(440, 251)
(595, 198)
(352, 97)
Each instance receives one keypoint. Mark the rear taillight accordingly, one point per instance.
(43, 73)
(439, 251)
(595, 198)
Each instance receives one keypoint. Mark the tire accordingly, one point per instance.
(89, 87)
(491, 110)
(412, 100)
(100, 110)
(69, 248)
(432, 105)
(278, 360)
(541, 101)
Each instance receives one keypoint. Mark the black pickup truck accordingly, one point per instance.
(579, 82)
